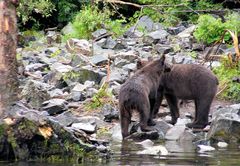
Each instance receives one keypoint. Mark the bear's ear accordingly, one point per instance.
(162, 59)
(139, 64)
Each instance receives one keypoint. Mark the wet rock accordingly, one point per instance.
(155, 37)
(55, 93)
(99, 33)
(110, 113)
(175, 132)
(96, 120)
(66, 118)
(87, 127)
(187, 32)
(55, 106)
(145, 23)
(162, 127)
(188, 136)
(225, 125)
(176, 30)
(36, 92)
(79, 46)
(222, 144)
(205, 148)
(152, 135)
(180, 146)
(155, 150)
(99, 60)
(116, 133)
(146, 143)
(102, 148)
(163, 49)
(110, 43)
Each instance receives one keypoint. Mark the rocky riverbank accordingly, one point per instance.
(69, 93)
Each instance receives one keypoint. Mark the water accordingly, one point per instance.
(181, 154)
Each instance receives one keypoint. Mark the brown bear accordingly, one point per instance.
(138, 93)
(187, 82)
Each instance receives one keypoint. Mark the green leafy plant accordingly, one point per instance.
(90, 18)
(26, 9)
(210, 29)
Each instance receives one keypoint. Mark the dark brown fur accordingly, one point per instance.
(187, 82)
(138, 92)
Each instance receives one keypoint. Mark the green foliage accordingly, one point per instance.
(171, 12)
(225, 73)
(91, 18)
(100, 98)
(26, 9)
(210, 29)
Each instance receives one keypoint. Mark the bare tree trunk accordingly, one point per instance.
(8, 63)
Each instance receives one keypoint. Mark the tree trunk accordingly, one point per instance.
(8, 63)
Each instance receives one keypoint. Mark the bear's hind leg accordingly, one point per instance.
(173, 105)
(125, 118)
(201, 114)
(144, 112)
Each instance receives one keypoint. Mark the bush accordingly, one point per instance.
(27, 9)
(210, 29)
(90, 19)
(225, 74)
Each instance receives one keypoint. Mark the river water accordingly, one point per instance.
(180, 154)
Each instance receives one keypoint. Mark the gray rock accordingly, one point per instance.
(205, 148)
(68, 29)
(99, 59)
(91, 92)
(152, 135)
(101, 42)
(154, 150)
(155, 37)
(146, 143)
(51, 50)
(180, 146)
(79, 46)
(133, 33)
(77, 96)
(119, 62)
(87, 127)
(162, 127)
(98, 33)
(35, 67)
(55, 93)
(187, 32)
(116, 133)
(118, 75)
(55, 106)
(102, 148)
(129, 67)
(163, 49)
(175, 132)
(131, 55)
(66, 118)
(36, 92)
(61, 68)
(187, 136)
(222, 144)
(225, 125)
(176, 30)
(110, 43)
(145, 23)
(110, 113)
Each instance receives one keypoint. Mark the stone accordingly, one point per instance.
(110, 43)
(36, 92)
(129, 67)
(55, 106)
(99, 59)
(146, 143)
(68, 29)
(87, 127)
(118, 75)
(225, 125)
(132, 32)
(187, 33)
(162, 127)
(116, 133)
(154, 150)
(61, 68)
(145, 23)
(131, 55)
(222, 144)
(119, 62)
(175, 132)
(35, 67)
(205, 148)
(66, 118)
(110, 113)
(188, 135)
(175, 30)
(91, 92)
(55, 93)
(101, 42)
(152, 135)
(102, 148)
(155, 37)
(99, 33)
(79, 46)
(163, 49)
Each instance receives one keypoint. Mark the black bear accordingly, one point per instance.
(187, 82)
(138, 93)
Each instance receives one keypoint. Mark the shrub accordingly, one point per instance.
(91, 18)
(225, 74)
(210, 29)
